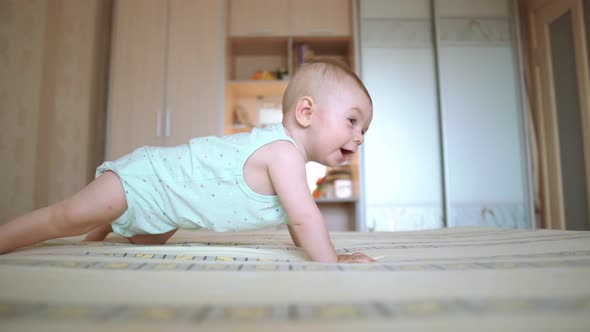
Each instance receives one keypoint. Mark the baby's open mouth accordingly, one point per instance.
(346, 153)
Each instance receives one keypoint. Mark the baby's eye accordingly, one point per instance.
(352, 121)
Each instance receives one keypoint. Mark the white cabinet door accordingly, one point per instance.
(166, 73)
(195, 66)
(562, 114)
(321, 17)
(137, 75)
(258, 18)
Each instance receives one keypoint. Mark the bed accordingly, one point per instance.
(446, 280)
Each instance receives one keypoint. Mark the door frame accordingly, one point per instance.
(545, 114)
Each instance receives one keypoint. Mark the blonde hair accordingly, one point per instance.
(312, 76)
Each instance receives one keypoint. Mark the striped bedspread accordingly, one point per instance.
(445, 280)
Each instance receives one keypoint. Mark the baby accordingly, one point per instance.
(239, 182)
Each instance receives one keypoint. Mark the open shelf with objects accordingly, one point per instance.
(262, 55)
(260, 68)
(339, 48)
(254, 67)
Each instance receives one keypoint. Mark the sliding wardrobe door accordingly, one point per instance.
(447, 144)
(402, 164)
(482, 116)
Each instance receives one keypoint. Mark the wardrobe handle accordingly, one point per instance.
(167, 129)
(159, 124)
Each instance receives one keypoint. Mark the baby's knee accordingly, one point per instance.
(151, 238)
(145, 239)
(68, 219)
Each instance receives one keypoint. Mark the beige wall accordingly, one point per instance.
(53, 65)
(21, 53)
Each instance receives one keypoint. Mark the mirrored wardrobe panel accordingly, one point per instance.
(447, 144)
(402, 166)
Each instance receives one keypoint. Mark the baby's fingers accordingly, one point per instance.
(357, 257)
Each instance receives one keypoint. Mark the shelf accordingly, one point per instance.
(253, 88)
(258, 41)
(326, 45)
(316, 48)
(252, 46)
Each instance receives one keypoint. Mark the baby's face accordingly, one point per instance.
(342, 117)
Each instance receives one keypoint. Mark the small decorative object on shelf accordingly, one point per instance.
(263, 75)
(282, 73)
(343, 188)
(318, 191)
(241, 118)
(337, 184)
(270, 111)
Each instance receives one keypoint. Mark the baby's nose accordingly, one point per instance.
(358, 139)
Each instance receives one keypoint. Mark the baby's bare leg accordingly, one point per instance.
(99, 233)
(152, 238)
(99, 203)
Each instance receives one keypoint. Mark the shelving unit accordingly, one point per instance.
(249, 55)
(257, 43)
(253, 88)
(246, 55)
(338, 48)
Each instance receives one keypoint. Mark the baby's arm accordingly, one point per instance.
(294, 236)
(352, 258)
(308, 229)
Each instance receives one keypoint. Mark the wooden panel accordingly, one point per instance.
(321, 17)
(21, 67)
(257, 88)
(55, 56)
(195, 63)
(338, 215)
(79, 68)
(258, 17)
(137, 75)
(553, 209)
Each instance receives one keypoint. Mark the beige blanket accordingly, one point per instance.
(444, 280)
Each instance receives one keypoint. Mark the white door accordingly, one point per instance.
(136, 87)
(194, 71)
(562, 113)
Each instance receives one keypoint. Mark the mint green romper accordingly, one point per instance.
(195, 185)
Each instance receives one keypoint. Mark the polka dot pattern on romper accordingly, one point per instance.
(200, 186)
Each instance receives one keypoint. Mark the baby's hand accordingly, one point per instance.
(357, 257)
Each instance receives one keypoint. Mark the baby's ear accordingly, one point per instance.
(303, 111)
